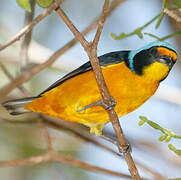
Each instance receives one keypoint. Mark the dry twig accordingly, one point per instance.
(47, 136)
(54, 156)
(10, 77)
(29, 27)
(90, 48)
(24, 59)
(82, 133)
(59, 158)
(24, 77)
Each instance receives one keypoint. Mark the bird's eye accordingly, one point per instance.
(162, 60)
(165, 60)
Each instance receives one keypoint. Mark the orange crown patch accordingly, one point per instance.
(167, 52)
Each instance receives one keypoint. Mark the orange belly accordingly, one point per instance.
(64, 101)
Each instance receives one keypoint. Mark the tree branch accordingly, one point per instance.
(60, 158)
(24, 77)
(46, 135)
(24, 59)
(82, 133)
(29, 27)
(91, 49)
(10, 77)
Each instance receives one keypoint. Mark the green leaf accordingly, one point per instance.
(174, 4)
(120, 37)
(177, 151)
(159, 20)
(162, 138)
(44, 3)
(25, 4)
(137, 31)
(152, 35)
(164, 3)
(167, 133)
(178, 33)
(168, 138)
(141, 123)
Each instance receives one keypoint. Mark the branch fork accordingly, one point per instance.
(91, 49)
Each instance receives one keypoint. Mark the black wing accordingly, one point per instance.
(104, 60)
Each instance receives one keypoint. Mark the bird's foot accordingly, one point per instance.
(108, 107)
(100, 103)
(124, 150)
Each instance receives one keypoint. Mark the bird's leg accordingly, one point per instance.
(123, 151)
(108, 107)
(100, 103)
(90, 105)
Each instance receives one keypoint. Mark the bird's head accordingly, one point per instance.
(153, 61)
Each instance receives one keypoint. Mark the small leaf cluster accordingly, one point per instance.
(166, 4)
(166, 136)
(26, 4)
(137, 31)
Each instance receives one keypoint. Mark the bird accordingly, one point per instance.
(132, 77)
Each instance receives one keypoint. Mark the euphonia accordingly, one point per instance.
(132, 77)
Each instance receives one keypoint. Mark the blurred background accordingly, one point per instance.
(25, 139)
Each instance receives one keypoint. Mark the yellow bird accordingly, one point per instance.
(132, 78)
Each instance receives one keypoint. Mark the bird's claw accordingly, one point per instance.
(108, 107)
(100, 103)
(124, 150)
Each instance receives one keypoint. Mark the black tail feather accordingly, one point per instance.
(16, 107)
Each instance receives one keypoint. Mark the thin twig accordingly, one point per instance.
(60, 158)
(29, 27)
(10, 77)
(47, 136)
(24, 77)
(91, 50)
(82, 133)
(87, 166)
(161, 14)
(24, 59)
(101, 24)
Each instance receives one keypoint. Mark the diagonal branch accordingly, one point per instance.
(10, 77)
(29, 27)
(91, 49)
(24, 77)
(92, 52)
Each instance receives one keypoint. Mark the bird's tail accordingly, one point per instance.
(16, 107)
